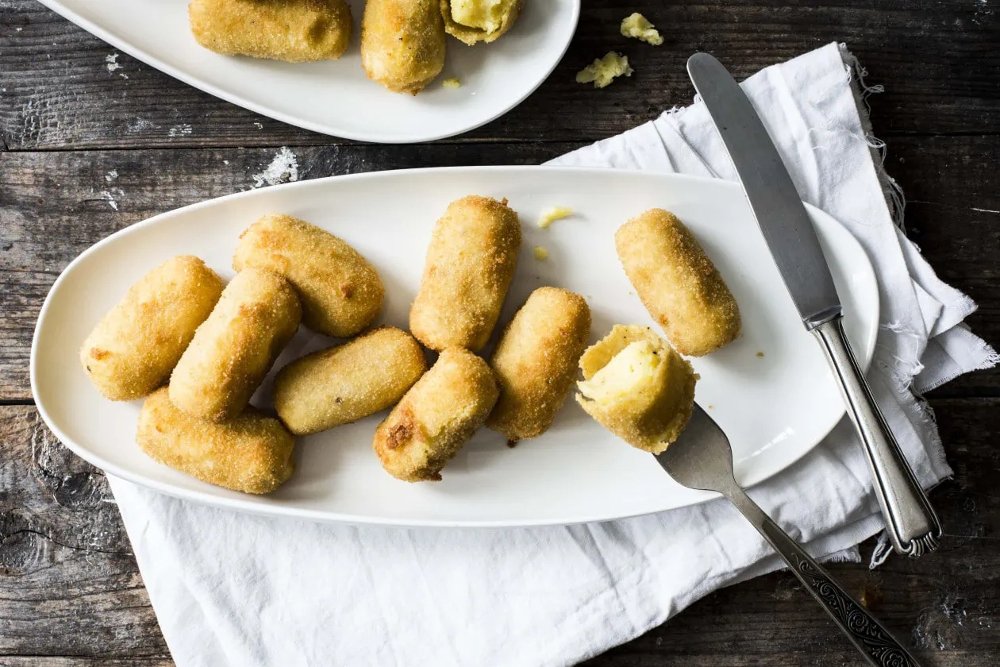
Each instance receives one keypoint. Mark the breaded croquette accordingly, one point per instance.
(637, 387)
(291, 30)
(340, 290)
(436, 417)
(233, 350)
(136, 345)
(251, 453)
(469, 266)
(473, 21)
(348, 382)
(535, 361)
(678, 283)
(402, 43)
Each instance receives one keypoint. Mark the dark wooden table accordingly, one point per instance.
(87, 149)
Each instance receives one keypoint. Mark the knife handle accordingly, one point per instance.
(910, 520)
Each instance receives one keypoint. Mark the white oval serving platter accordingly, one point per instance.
(335, 97)
(770, 390)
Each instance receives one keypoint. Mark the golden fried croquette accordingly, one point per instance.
(291, 30)
(251, 452)
(137, 343)
(347, 382)
(469, 266)
(436, 417)
(233, 350)
(340, 290)
(637, 387)
(678, 283)
(402, 43)
(535, 361)
(473, 21)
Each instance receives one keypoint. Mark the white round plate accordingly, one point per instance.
(335, 97)
(774, 407)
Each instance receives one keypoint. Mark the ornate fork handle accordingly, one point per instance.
(864, 631)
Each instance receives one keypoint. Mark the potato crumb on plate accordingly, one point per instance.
(541, 253)
(604, 70)
(638, 26)
(550, 215)
(451, 83)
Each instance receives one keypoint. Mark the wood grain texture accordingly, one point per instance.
(57, 91)
(68, 582)
(69, 585)
(85, 151)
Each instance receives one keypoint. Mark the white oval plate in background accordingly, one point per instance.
(335, 97)
(774, 407)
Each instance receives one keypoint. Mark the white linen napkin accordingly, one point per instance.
(242, 590)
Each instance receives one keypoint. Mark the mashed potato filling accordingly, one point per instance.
(604, 70)
(631, 371)
(638, 26)
(487, 15)
(552, 214)
(637, 387)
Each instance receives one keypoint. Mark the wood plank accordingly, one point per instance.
(56, 90)
(71, 588)
(69, 583)
(53, 205)
(47, 661)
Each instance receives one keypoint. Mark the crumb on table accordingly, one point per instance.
(638, 26)
(604, 70)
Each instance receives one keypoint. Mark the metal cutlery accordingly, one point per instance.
(910, 521)
(701, 458)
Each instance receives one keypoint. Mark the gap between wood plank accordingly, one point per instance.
(343, 143)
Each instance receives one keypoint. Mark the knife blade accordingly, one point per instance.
(911, 523)
(775, 202)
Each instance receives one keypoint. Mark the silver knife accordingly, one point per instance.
(910, 521)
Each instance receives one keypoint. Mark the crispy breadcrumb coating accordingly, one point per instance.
(348, 382)
(677, 282)
(470, 263)
(251, 453)
(340, 290)
(402, 43)
(291, 30)
(136, 345)
(436, 417)
(235, 347)
(535, 361)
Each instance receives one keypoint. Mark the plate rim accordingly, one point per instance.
(138, 53)
(324, 516)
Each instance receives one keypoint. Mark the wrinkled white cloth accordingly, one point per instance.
(242, 590)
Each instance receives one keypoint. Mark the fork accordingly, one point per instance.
(701, 458)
